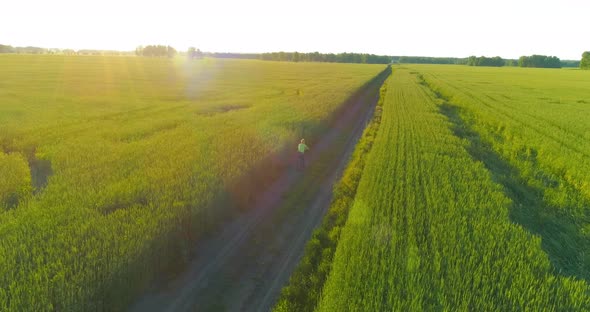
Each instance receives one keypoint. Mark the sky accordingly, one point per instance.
(453, 28)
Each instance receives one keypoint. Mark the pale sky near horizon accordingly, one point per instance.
(457, 28)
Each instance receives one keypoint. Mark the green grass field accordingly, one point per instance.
(474, 197)
(469, 191)
(112, 166)
(531, 128)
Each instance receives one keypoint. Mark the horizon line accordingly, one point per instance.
(244, 53)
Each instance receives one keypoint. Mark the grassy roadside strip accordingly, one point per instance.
(304, 288)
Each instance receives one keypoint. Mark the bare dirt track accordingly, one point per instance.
(245, 264)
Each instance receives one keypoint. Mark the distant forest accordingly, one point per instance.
(38, 50)
(323, 57)
(308, 57)
(429, 60)
(167, 51)
(155, 51)
(541, 61)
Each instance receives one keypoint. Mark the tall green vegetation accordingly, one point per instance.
(15, 185)
(540, 61)
(585, 62)
(131, 159)
(430, 229)
(537, 123)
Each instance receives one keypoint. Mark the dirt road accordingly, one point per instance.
(244, 266)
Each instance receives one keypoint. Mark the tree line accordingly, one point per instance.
(429, 60)
(28, 50)
(495, 61)
(155, 51)
(524, 61)
(298, 57)
(37, 50)
(326, 57)
(541, 61)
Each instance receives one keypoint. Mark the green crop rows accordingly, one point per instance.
(112, 166)
(535, 126)
(435, 227)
